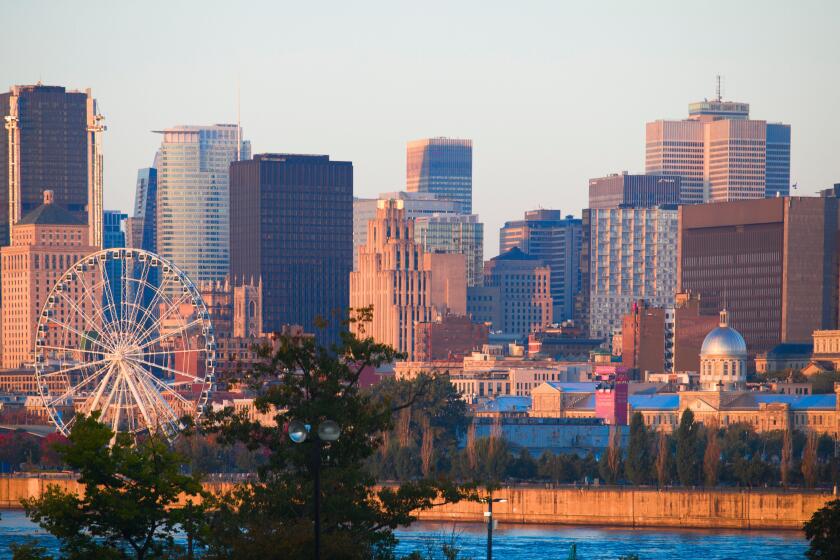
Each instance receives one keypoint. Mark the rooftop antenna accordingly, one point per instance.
(238, 120)
(719, 97)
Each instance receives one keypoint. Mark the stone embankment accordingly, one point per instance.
(609, 506)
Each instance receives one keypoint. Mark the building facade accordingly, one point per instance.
(720, 153)
(415, 204)
(193, 204)
(524, 284)
(442, 167)
(772, 263)
(292, 226)
(45, 243)
(462, 234)
(639, 191)
(449, 338)
(52, 142)
(556, 240)
(141, 228)
(632, 256)
(393, 279)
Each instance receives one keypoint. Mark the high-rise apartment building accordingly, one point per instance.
(141, 228)
(624, 189)
(548, 236)
(720, 153)
(292, 226)
(524, 292)
(393, 278)
(632, 255)
(52, 142)
(442, 167)
(415, 204)
(45, 243)
(461, 234)
(193, 203)
(773, 264)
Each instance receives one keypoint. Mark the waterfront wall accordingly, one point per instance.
(621, 507)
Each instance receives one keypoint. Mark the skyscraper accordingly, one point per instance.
(193, 226)
(415, 204)
(632, 255)
(52, 142)
(720, 153)
(772, 263)
(546, 235)
(624, 189)
(443, 167)
(114, 237)
(292, 226)
(141, 229)
(393, 278)
(462, 234)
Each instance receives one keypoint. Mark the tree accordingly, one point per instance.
(609, 467)
(637, 467)
(303, 381)
(823, 532)
(787, 457)
(131, 496)
(687, 449)
(663, 459)
(711, 457)
(809, 460)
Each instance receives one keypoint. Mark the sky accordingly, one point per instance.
(551, 93)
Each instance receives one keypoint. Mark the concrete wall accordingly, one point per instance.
(737, 509)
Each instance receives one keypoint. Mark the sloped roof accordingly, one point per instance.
(51, 215)
(574, 387)
(515, 254)
(506, 403)
(661, 401)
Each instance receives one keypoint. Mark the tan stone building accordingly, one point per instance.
(403, 284)
(44, 244)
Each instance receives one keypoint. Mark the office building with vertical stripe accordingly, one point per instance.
(51, 141)
(720, 153)
(442, 167)
(292, 226)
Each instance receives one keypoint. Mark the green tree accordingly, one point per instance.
(637, 466)
(274, 514)
(609, 466)
(688, 445)
(664, 462)
(823, 532)
(130, 506)
(810, 464)
(711, 456)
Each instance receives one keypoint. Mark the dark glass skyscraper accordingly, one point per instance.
(142, 228)
(443, 167)
(291, 224)
(113, 237)
(50, 142)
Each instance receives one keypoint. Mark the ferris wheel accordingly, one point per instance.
(125, 333)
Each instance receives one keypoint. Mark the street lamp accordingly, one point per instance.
(328, 431)
(489, 515)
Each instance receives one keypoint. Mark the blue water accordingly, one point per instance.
(543, 542)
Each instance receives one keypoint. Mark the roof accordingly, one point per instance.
(798, 402)
(724, 341)
(506, 404)
(50, 214)
(573, 387)
(515, 254)
(662, 401)
(791, 349)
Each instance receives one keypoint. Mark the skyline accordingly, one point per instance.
(547, 107)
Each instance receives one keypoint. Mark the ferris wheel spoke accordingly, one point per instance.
(165, 368)
(172, 333)
(96, 305)
(126, 375)
(141, 287)
(169, 390)
(81, 334)
(158, 293)
(173, 307)
(109, 294)
(75, 388)
(158, 399)
(84, 315)
(101, 389)
(64, 371)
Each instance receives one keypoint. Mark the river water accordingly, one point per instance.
(538, 542)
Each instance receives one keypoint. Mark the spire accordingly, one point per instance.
(724, 317)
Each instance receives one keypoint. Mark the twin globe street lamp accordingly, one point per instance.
(328, 431)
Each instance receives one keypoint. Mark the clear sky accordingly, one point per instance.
(552, 93)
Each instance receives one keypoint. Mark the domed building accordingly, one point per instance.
(723, 358)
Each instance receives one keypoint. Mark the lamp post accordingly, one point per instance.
(489, 515)
(328, 431)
